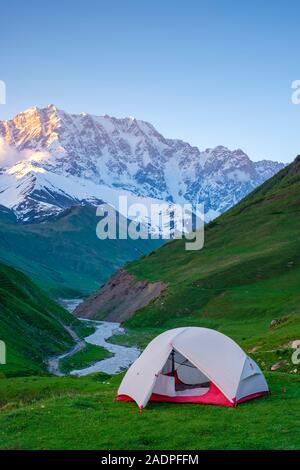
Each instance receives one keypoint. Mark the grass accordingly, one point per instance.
(80, 413)
(84, 358)
(31, 325)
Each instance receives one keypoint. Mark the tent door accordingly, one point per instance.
(188, 380)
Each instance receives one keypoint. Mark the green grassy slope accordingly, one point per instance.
(31, 324)
(63, 255)
(247, 274)
(71, 413)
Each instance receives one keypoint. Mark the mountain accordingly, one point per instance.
(32, 326)
(52, 160)
(245, 281)
(63, 255)
(7, 215)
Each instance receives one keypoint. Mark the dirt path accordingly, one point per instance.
(53, 362)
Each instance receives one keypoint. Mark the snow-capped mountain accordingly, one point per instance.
(51, 160)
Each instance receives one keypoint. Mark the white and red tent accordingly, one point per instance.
(193, 365)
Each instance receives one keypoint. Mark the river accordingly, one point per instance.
(122, 358)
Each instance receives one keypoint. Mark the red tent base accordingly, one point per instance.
(251, 397)
(214, 396)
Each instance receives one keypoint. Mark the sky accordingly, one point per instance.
(207, 72)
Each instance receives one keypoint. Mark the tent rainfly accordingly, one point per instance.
(193, 365)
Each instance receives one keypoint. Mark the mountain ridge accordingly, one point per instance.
(55, 160)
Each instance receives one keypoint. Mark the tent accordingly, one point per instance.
(193, 365)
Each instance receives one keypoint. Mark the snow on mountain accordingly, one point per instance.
(52, 160)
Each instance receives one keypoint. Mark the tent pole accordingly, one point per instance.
(173, 362)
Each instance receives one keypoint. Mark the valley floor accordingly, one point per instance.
(80, 413)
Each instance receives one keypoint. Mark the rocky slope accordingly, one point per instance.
(105, 303)
(52, 160)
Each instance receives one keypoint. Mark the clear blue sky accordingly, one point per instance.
(208, 72)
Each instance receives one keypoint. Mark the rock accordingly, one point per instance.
(277, 321)
(274, 323)
(278, 365)
(295, 344)
(253, 350)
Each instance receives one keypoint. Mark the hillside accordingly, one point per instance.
(247, 274)
(63, 255)
(32, 326)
